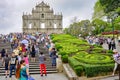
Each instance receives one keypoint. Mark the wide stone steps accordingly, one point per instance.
(36, 72)
(33, 66)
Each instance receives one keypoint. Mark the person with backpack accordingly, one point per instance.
(53, 57)
(42, 63)
(13, 64)
(6, 64)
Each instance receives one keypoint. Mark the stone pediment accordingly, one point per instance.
(42, 4)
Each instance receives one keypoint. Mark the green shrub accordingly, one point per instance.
(110, 51)
(76, 66)
(62, 53)
(65, 58)
(78, 70)
(95, 70)
(73, 62)
(97, 49)
(58, 46)
(97, 46)
(88, 69)
(93, 58)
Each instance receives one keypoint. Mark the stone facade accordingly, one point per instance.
(42, 19)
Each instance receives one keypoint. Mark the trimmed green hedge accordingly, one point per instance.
(65, 58)
(95, 70)
(88, 69)
(93, 58)
(76, 66)
(83, 57)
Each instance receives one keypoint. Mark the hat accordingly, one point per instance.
(115, 50)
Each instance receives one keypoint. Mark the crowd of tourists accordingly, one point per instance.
(102, 40)
(24, 48)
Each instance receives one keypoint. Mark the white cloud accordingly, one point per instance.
(11, 11)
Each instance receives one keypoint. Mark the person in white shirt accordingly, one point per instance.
(109, 43)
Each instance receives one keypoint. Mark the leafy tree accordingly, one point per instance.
(110, 5)
(117, 23)
(84, 28)
(99, 26)
(98, 10)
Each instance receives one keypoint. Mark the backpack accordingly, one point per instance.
(17, 74)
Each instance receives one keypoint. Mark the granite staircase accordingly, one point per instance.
(33, 66)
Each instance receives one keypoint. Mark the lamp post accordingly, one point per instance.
(113, 16)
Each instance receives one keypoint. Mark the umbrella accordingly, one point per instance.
(24, 41)
(32, 37)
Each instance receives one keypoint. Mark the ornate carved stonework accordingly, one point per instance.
(42, 19)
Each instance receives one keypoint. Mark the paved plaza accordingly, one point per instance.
(111, 78)
(57, 76)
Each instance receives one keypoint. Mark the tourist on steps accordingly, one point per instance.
(25, 58)
(53, 57)
(13, 63)
(33, 52)
(19, 58)
(24, 72)
(3, 52)
(42, 64)
(6, 65)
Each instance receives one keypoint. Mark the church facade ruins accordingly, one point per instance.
(42, 19)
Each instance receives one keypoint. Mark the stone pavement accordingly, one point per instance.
(56, 76)
(105, 45)
(111, 78)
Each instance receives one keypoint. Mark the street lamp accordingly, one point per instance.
(113, 16)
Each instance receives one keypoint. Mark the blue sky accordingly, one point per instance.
(11, 11)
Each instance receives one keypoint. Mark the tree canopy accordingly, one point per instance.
(110, 5)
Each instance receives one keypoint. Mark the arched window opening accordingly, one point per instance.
(30, 26)
(43, 25)
(42, 15)
(55, 25)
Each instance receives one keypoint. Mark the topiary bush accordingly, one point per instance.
(62, 53)
(65, 58)
(78, 70)
(93, 58)
(58, 46)
(110, 51)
